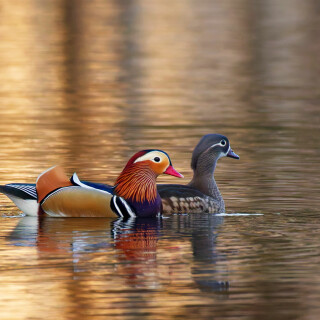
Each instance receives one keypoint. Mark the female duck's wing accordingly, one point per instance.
(184, 199)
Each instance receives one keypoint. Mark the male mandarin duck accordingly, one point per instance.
(134, 193)
(202, 193)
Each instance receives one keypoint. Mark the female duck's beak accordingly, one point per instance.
(173, 172)
(233, 155)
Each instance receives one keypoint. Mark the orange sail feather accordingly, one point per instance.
(51, 180)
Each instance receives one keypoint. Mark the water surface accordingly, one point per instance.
(86, 84)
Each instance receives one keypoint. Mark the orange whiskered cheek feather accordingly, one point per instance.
(159, 168)
(137, 183)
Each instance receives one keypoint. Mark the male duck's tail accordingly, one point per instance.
(23, 195)
(26, 196)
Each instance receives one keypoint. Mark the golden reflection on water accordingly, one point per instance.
(86, 84)
(74, 267)
(92, 267)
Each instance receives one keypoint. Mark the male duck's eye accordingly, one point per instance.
(156, 159)
(223, 142)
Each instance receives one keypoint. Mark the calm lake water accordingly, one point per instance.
(86, 84)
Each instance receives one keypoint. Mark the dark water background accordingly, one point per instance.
(86, 84)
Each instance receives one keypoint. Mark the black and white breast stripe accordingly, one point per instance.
(121, 207)
(29, 189)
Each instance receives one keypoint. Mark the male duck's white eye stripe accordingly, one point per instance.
(152, 156)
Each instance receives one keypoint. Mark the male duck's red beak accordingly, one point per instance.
(173, 172)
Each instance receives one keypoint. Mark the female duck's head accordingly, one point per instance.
(210, 148)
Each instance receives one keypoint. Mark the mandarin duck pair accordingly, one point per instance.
(135, 193)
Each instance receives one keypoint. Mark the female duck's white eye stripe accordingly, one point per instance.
(221, 143)
(214, 145)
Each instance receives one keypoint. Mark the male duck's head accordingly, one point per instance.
(210, 148)
(156, 161)
(137, 181)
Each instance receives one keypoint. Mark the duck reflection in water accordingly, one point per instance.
(135, 250)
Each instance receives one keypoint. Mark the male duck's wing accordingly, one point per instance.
(61, 197)
(24, 195)
(28, 191)
(118, 205)
(184, 199)
(50, 180)
(100, 186)
(75, 201)
(73, 198)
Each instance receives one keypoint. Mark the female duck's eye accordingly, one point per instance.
(223, 142)
(156, 159)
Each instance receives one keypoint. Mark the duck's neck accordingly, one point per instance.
(137, 184)
(203, 180)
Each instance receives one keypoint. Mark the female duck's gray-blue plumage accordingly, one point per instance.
(202, 193)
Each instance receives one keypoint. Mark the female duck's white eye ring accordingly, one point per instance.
(156, 159)
(223, 142)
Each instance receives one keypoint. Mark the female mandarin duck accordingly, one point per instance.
(202, 193)
(134, 194)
